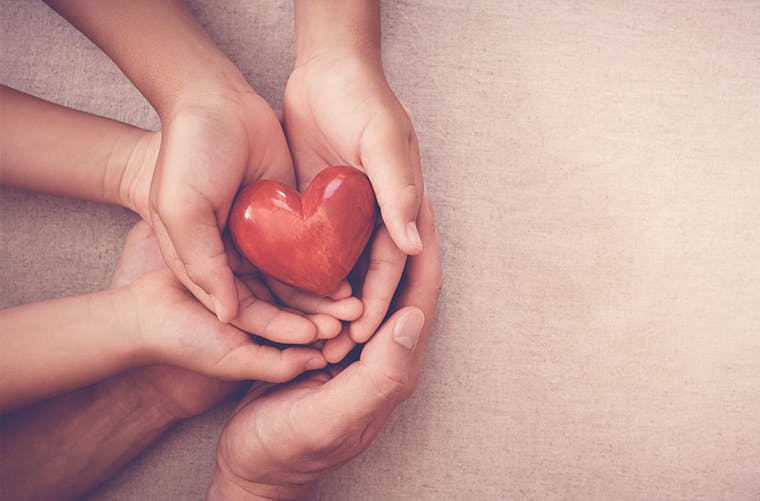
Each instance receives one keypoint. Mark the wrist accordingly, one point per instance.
(137, 173)
(209, 80)
(347, 27)
(117, 317)
(132, 394)
(226, 486)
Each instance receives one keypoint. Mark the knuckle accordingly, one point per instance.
(381, 263)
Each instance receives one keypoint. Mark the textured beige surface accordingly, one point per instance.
(595, 168)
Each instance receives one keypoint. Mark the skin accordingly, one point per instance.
(339, 73)
(62, 447)
(153, 319)
(46, 455)
(204, 101)
(283, 438)
(217, 133)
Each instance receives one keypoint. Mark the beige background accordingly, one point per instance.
(595, 168)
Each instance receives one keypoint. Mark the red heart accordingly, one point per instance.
(310, 241)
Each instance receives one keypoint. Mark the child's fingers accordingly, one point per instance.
(386, 265)
(348, 308)
(257, 287)
(265, 363)
(327, 327)
(336, 349)
(192, 247)
(266, 320)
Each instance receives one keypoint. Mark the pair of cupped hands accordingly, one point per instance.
(207, 319)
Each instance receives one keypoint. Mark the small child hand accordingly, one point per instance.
(174, 328)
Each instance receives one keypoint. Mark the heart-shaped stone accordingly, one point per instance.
(310, 241)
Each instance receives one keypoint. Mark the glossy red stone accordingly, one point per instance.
(310, 241)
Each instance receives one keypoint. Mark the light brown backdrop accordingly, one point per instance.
(595, 169)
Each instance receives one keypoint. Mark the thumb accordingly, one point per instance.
(192, 247)
(390, 155)
(383, 377)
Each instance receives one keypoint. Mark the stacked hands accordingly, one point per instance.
(187, 318)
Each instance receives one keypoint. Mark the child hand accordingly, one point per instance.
(323, 315)
(171, 327)
(211, 144)
(338, 109)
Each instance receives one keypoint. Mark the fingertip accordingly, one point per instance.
(413, 237)
(327, 326)
(222, 295)
(358, 332)
(352, 309)
(408, 327)
(406, 237)
(294, 362)
(316, 363)
(336, 349)
(306, 331)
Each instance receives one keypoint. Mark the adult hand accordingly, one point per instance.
(339, 109)
(282, 439)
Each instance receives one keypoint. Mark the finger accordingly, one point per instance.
(192, 247)
(423, 276)
(345, 309)
(376, 383)
(264, 319)
(257, 287)
(390, 361)
(327, 327)
(338, 347)
(390, 156)
(386, 264)
(264, 363)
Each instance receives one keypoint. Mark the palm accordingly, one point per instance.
(211, 146)
(293, 444)
(324, 118)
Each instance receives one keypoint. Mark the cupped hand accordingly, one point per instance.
(173, 328)
(339, 109)
(212, 143)
(282, 438)
(226, 149)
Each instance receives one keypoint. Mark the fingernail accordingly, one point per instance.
(315, 363)
(217, 307)
(407, 330)
(413, 234)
